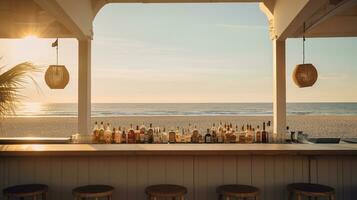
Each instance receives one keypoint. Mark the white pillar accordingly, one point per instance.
(279, 87)
(84, 86)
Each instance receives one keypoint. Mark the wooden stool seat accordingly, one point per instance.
(93, 191)
(311, 190)
(27, 190)
(238, 191)
(166, 190)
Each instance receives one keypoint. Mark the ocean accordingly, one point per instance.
(184, 109)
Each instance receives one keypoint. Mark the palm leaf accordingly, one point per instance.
(11, 82)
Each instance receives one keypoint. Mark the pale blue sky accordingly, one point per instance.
(190, 53)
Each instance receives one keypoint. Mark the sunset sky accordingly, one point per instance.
(187, 53)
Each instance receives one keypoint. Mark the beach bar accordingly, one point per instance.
(200, 168)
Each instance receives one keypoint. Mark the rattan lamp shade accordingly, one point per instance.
(305, 75)
(57, 76)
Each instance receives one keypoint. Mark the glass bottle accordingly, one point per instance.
(172, 136)
(113, 135)
(249, 136)
(108, 134)
(188, 136)
(137, 134)
(142, 133)
(195, 135)
(131, 135)
(101, 133)
(242, 135)
(165, 137)
(214, 133)
(150, 135)
(177, 135)
(264, 134)
(258, 135)
(95, 136)
(124, 137)
(208, 137)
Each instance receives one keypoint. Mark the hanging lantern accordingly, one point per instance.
(56, 76)
(304, 75)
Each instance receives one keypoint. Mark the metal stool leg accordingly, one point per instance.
(298, 196)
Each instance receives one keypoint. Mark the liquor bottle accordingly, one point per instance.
(242, 135)
(101, 133)
(201, 138)
(172, 136)
(131, 135)
(264, 134)
(108, 134)
(142, 133)
(95, 137)
(165, 137)
(214, 133)
(183, 134)
(177, 135)
(249, 136)
(150, 135)
(117, 136)
(258, 135)
(237, 133)
(124, 137)
(195, 135)
(113, 135)
(287, 136)
(155, 136)
(137, 134)
(271, 135)
(188, 136)
(227, 133)
(208, 137)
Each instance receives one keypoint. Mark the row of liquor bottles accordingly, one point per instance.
(223, 133)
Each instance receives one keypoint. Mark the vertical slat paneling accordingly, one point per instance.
(244, 170)
(201, 178)
(56, 178)
(188, 175)
(288, 174)
(347, 173)
(333, 173)
(269, 177)
(43, 171)
(142, 176)
(258, 174)
(174, 170)
(131, 184)
(83, 171)
(214, 175)
(118, 176)
(2, 173)
(69, 177)
(354, 177)
(323, 171)
(279, 178)
(230, 170)
(157, 168)
(13, 171)
(339, 192)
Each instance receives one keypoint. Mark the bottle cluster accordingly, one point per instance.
(222, 133)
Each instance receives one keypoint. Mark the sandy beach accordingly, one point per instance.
(315, 126)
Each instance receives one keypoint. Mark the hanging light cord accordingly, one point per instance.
(57, 51)
(303, 46)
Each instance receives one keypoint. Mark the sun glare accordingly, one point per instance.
(30, 48)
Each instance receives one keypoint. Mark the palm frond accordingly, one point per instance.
(11, 82)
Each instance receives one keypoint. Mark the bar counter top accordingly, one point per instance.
(176, 149)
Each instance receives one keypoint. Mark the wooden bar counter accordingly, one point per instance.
(199, 167)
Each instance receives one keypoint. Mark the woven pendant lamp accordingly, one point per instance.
(56, 76)
(304, 75)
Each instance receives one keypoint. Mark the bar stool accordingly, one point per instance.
(27, 190)
(310, 190)
(154, 192)
(93, 191)
(227, 192)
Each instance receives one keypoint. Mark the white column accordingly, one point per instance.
(279, 87)
(84, 86)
